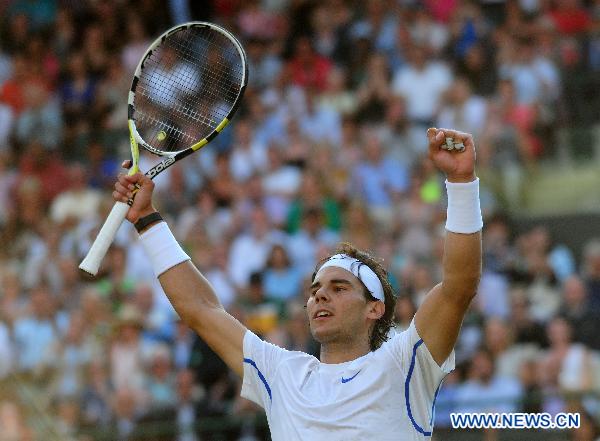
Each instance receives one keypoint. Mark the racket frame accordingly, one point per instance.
(172, 157)
(91, 263)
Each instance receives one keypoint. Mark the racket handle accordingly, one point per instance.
(105, 238)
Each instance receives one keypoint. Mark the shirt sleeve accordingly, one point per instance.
(261, 360)
(422, 376)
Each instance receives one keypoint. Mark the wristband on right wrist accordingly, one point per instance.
(464, 209)
(162, 248)
(143, 222)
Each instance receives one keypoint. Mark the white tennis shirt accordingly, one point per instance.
(387, 394)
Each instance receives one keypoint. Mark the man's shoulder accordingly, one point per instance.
(254, 339)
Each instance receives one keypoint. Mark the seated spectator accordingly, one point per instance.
(293, 332)
(74, 352)
(215, 382)
(462, 109)
(378, 180)
(187, 407)
(509, 135)
(249, 157)
(526, 329)
(114, 284)
(158, 322)
(338, 96)
(421, 82)
(96, 395)
(307, 68)
(493, 298)
(136, 43)
(256, 242)
(313, 193)
(12, 90)
(316, 122)
(41, 118)
(216, 221)
(404, 312)
(6, 349)
(78, 202)
(532, 391)
(12, 421)
(570, 17)
(127, 355)
(591, 272)
(281, 281)
(575, 309)
(477, 66)
(427, 30)
(68, 420)
(14, 303)
(303, 246)
(77, 92)
(37, 333)
(160, 379)
(374, 91)
(263, 65)
(508, 357)
(573, 360)
(261, 314)
(126, 413)
(213, 261)
(6, 126)
(112, 88)
(47, 168)
(181, 346)
(485, 390)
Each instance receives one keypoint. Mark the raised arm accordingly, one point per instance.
(187, 289)
(439, 318)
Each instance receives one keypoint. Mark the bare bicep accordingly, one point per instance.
(438, 321)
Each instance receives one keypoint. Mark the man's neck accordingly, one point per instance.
(335, 353)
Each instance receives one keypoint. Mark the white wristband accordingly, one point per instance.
(162, 248)
(464, 211)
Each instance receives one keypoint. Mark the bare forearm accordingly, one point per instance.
(189, 292)
(187, 289)
(196, 303)
(462, 265)
(440, 316)
(462, 248)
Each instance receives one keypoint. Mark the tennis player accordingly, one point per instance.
(370, 383)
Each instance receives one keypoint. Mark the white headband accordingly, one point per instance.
(360, 270)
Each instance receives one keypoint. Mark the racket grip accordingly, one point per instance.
(105, 238)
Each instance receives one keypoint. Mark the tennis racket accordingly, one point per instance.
(185, 90)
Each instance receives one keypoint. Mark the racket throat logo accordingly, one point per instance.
(160, 167)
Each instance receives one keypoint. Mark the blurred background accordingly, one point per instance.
(329, 145)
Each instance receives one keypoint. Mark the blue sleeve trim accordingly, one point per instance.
(260, 375)
(407, 390)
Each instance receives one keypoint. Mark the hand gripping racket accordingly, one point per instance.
(185, 90)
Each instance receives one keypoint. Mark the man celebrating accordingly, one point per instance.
(369, 383)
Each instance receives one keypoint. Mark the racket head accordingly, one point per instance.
(186, 88)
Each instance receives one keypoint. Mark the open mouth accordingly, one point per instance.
(322, 314)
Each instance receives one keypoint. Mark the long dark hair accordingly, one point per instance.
(382, 326)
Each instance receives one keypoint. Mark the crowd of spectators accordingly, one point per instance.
(328, 146)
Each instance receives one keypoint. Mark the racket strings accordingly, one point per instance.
(222, 49)
(187, 86)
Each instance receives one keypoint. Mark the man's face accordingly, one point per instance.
(337, 308)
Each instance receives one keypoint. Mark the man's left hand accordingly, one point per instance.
(459, 166)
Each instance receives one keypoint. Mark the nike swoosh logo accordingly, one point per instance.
(345, 380)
